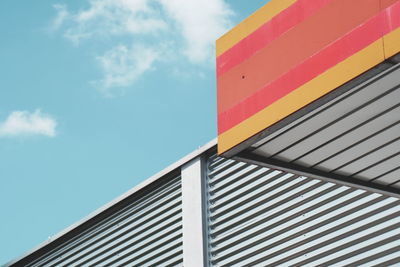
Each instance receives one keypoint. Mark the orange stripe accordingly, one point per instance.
(250, 24)
(392, 41)
(351, 43)
(292, 48)
(321, 85)
(268, 32)
(387, 3)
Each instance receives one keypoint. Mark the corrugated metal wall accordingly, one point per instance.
(262, 217)
(356, 134)
(146, 233)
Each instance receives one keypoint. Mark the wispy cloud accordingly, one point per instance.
(122, 65)
(24, 123)
(106, 18)
(141, 28)
(62, 15)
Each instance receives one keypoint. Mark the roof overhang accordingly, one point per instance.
(301, 90)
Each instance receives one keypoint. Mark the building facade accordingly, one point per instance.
(206, 210)
(306, 169)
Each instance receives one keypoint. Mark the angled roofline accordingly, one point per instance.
(107, 209)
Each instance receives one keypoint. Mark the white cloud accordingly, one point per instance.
(113, 18)
(62, 15)
(200, 23)
(122, 65)
(141, 29)
(23, 123)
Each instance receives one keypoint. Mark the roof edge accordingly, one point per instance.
(171, 168)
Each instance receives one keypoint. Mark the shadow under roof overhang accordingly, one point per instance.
(351, 135)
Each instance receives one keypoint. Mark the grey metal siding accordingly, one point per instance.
(357, 134)
(146, 233)
(264, 217)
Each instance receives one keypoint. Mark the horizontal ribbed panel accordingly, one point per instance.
(263, 217)
(148, 232)
(356, 134)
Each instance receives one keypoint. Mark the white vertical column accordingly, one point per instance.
(192, 212)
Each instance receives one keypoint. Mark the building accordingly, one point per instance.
(305, 171)
(300, 89)
(210, 211)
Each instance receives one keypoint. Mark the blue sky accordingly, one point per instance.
(95, 97)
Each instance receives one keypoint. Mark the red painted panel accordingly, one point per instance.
(292, 48)
(270, 31)
(392, 16)
(343, 48)
(387, 3)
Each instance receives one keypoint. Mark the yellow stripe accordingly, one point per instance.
(314, 89)
(392, 43)
(250, 24)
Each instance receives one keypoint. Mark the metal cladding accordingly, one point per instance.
(263, 217)
(291, 53)
(141, 230)
(206, 210)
